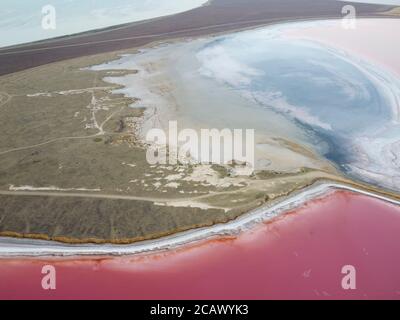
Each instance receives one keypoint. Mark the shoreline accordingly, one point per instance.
(299, 255)
(11, 248)
(193, 236)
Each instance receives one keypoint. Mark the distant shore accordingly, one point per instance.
(213, 18)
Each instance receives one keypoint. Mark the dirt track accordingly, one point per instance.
(220, 15)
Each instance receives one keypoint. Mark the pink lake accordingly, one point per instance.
(297, 256)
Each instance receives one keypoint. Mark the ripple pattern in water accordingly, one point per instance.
(348, 107)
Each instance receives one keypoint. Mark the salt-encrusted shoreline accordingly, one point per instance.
(10, 247)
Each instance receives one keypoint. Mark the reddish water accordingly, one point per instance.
(300, 255)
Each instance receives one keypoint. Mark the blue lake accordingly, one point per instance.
(347, 107)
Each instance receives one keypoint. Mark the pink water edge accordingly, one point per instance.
(297, 256)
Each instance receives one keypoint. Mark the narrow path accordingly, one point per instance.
(98, 127)
(320, 181)
(6, 100)
(30, 247)
(47, 142)
(98, 196)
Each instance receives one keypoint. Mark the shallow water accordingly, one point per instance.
(342, 101)
(348, 106)
(300, 255)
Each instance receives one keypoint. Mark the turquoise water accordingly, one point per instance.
(347, 107)
(21, 20)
